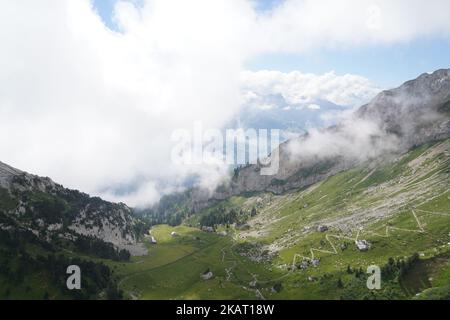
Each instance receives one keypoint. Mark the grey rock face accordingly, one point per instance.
(418, 111)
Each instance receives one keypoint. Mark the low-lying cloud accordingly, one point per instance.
(393, 122)
(354, 139)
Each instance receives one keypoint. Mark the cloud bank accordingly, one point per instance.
(300, 88)
(94, 109)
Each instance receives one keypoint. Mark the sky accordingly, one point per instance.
(105, 8)
(91, 92)
(387, 65)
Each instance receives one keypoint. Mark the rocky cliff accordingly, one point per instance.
(51, 212)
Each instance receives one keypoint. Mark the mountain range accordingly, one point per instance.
(372, 189)
(391, 124)
(274, 112)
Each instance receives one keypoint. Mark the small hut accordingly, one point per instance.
(362, 245)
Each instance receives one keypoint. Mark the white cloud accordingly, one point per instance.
(353, 140)
(302, 88)
(314, 106)
(266, 107)
(94, 108)
(301, 25)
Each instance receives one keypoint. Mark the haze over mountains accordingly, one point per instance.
(274, 112)
(296, 102)
(392, 123)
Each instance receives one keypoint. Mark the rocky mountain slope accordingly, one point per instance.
(417, 112)
(398, 119)
(53, 213)
(391, 124)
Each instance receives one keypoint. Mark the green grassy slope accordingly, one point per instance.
(400, 206)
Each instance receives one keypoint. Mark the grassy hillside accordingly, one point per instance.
(400, 206)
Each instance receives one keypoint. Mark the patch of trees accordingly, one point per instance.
(7, 202)
(391, 273)
(225, 216)
(16, 264)
(99, 248)
(17, 239)
(174, 219)
(445, 108)
(49, 209)
(95, 277)
(141, 228)
(397, 268)
(172, 210)
(393, 269)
